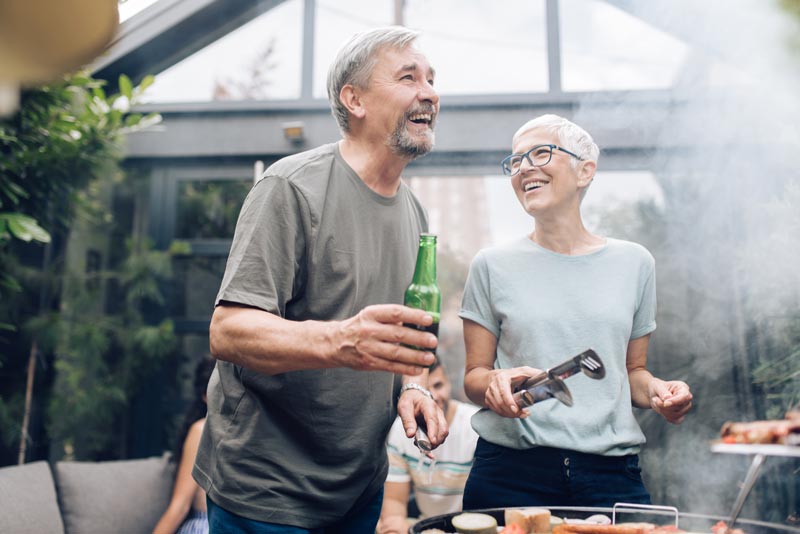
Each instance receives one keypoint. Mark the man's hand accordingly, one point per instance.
(392, 525)
(414, 405)
(374, 340)
(499, 395)
(672, 400)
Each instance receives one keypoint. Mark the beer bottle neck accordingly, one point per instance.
(425, 271)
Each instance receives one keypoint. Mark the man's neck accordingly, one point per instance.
(376, 164)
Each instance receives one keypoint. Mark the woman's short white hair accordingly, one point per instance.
(570, 136)
(355, 61)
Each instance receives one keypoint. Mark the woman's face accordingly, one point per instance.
(552, 189)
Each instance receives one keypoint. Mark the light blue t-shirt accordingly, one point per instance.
(545, 307)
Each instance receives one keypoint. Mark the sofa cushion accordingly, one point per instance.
(28, 500)
(117, 496)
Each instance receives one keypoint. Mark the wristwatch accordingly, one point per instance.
(412, 385)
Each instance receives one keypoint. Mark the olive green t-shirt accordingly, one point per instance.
(312, 242)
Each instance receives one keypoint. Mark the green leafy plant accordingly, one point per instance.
(103, 357)
(59, 158)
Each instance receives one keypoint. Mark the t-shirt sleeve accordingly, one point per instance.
(267, 248)
(476, 304)
(644, 320)
(398, 465)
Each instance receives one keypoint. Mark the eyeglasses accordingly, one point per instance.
(538, 156)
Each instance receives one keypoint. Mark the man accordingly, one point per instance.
(438, 482)
(308, 328)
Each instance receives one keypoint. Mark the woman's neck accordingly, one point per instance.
(568, 238)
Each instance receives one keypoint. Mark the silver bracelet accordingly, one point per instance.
(412, 385)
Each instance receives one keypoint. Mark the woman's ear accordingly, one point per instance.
(586, 173)
(351, 99)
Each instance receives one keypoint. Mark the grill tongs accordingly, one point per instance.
(550, 383)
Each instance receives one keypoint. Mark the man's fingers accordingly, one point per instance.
(436, 423)
(398, 314)
(373, 354)
(409, 425)
(407, 336)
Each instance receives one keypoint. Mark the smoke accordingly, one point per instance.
(726, 240)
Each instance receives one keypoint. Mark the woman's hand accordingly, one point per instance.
(499, 395)
(670, 399)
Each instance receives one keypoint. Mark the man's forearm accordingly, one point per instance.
(266, 343)
(372, 340)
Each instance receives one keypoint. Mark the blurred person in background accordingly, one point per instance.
(308, 327)
(534, 302)
(186, 513)
(437, 483)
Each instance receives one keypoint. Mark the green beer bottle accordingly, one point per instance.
(423, 293)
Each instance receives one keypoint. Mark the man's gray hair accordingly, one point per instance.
(570, 136)
(355, 62)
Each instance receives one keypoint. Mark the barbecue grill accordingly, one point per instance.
(692, 523)
(661, 515)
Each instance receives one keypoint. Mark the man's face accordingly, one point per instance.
(440, 388)
(401, 103)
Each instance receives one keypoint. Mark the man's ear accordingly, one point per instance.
(350, 97)
(586, 173)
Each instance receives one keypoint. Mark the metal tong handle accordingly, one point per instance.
(422, 441)
(543, 387)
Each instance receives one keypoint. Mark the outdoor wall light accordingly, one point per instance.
(40, 40)
(294, 131)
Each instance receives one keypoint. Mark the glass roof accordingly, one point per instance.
(259, 60)
(604, 48)
(128, 8)
(477, 47)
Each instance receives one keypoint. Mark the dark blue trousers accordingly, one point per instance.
(546, 476)
(362, 521)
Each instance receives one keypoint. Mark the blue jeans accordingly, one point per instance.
(546, 476)
(361, 521)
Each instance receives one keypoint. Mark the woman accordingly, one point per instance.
(539, 300)
(186, 513)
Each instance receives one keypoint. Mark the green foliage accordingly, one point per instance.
(793, 8)
(104, 358)
(779, 376)
(22, 227)
(58, 162)
(65, 136)
(210, 208)
(9, 421)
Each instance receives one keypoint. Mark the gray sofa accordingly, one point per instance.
(124, 496)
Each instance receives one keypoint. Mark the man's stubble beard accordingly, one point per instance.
(404, 144)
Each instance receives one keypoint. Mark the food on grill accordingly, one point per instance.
(781, 432)
(721, 527)
(532, 520)
(479, 523)
(474, 523)
(621, 528)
